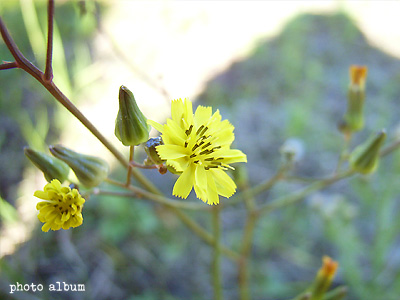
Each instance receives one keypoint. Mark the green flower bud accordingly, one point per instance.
(353, 120)
(51, 167)
(90, 170)
(150, 148)
(131, 126)
(365, 157)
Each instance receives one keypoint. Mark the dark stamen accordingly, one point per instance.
(205, 152)
(186, 144)
(209, 159)
(204, 131)
(195, 147)
(193, 155)
(206, 145)
(189, 130)
(200, 129)
(196, 161)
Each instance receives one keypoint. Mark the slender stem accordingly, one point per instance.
(8, 65)
(299, 195)
(390, 148)
(216, 264)
(203, 234)
(245, 251)
(48, 73)
(243, 270)
(28, 67)
(20, 59)
(98, 191)
(258, 189)
(140, 166)
(128, 176)
(141, 193)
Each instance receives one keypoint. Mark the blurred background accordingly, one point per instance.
(276, 70)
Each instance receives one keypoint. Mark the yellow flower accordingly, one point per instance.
(62, 207)
(198, 147)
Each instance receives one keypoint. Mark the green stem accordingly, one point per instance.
(175, 207)
(216, 268)
(258, 189)
(141, 193)
(128, 176)
(299, 195)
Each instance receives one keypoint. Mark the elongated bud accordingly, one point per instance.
(150, 148)
(353, 120)
(324, 278)
(131, 126)
(51, 167)
(365, 157)
(90, 170)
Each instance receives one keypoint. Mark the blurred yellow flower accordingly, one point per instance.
(198, 147)
(62, 207)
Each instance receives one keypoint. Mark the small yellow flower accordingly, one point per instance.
(198, 147)
(62, 207)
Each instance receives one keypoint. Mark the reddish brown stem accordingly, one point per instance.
(8, 65)
(48, 73)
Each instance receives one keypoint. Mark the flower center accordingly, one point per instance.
(63, 204)
(201, 149)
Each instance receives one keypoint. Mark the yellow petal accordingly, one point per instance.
(202, 115)
(41, 194)
(184, 184)
(188, 112)
(174, 133)
(171, 151)
(232, 156)
(177, 110)
(179, 164)
(46, 227)
(225, 185)
(212, 195)
(157, 126)
(200, 183)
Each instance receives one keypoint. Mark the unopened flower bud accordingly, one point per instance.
(51, 167)
(292, 150)
(365, 157)
(150, 148)
(353, 120)
(131, 126)
(324, 278)
(90, 170)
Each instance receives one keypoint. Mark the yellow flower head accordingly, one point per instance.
(198, 147)
(62, 207)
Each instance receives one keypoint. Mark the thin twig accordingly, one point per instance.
(8, 65)
(128, 176)
(141, 166)
(216, 264)
(28, 67)
(159, 198)
(48, 73)
(299, 195)
(387, 150)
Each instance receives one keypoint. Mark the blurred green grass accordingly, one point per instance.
(291, 86)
